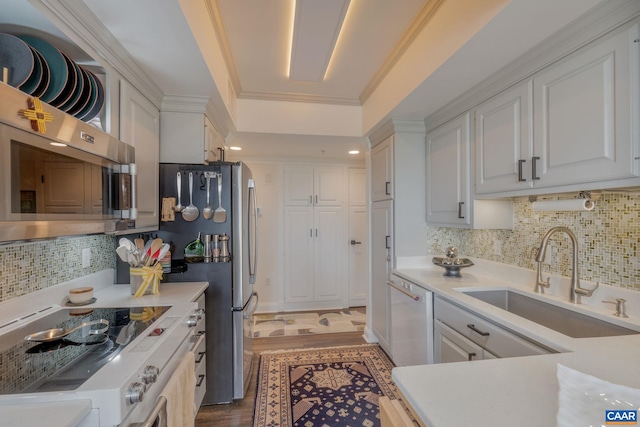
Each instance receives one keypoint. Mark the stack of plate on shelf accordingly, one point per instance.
(38, 68)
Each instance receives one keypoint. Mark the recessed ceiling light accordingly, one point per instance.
(354, 152)
(235, 148)
(58, 144)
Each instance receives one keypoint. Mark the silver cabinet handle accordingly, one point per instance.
(310, 199)
(387, 242)
(353, 242)
(404, 291)
(521, 178)
(476, 330)
(534, 162)
(460, 210)
(316, 199)
(387, 188)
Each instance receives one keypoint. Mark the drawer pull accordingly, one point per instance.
(404, 291)
(471, 356)
(520, 177)
(200, 380)
(476, 330)
(200, 356)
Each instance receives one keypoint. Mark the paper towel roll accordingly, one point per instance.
(563, 205)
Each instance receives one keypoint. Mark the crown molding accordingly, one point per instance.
(185, 104)
(299, 97)
(216, 21)
(604, 19)
(395, 126)
(427, 11)
(79, 21)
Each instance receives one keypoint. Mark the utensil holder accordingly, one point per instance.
(145, 280)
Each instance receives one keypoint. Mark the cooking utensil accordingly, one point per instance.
(59, 333)
(178, 207)
(123, 253)
(191, 212)
(220, 215)
(156, 245)
(207, 212)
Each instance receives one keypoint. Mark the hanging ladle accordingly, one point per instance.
(207, 212)
(191, 212)
(59, 333)
(178, 208)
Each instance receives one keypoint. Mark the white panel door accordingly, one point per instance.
(504, 141)
(382, 170)
(583, 115)
(448, 195)
(298, 186)
(328, 253)
(381, 263)
(299, 240)
(358, 244)
(140, 127)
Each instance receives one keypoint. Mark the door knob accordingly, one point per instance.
(353, 242)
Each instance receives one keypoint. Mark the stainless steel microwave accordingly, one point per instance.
(60, 176)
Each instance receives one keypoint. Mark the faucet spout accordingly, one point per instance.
(576, 291)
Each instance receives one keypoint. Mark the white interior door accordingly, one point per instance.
(358, 244)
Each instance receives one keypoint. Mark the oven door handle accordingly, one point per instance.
(198, 341)
(159, 412)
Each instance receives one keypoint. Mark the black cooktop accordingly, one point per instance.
(65, 364)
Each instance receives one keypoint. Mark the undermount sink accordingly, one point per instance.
(567, 322)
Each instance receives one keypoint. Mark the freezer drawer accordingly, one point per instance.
(411, 323)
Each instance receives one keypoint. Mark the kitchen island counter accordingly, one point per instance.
(521, 391)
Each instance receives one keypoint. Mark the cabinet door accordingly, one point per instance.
(448, 195)
(298, 186)
(213, 142)
(450, 346)
(504, 141)
(328, 183)
(328, 247)
(358, 250)
(382, 170)
(583, 115)
(140, 127)
(381, 264)
(298, 240)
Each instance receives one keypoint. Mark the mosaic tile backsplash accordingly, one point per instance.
(28, 267)
(608, 240)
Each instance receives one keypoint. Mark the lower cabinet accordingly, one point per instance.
(199, 350)
(462, 335)
(381, 264)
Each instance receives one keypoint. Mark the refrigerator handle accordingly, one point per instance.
(253, 239)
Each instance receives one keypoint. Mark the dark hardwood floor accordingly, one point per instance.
(240, 413)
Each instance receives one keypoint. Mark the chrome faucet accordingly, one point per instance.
(576, 291)
(540, 284)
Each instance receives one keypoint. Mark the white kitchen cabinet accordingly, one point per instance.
(449, 201)
(504, 138)
(313, 256)
(313, 186)
(140, 127)
(450, 346)
(188, 137)
(381, 265)
(572, 126)
(382, 170)
(582, 114)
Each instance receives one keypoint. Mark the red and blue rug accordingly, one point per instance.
(326, 387)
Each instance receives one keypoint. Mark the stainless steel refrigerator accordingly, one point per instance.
(230, 297)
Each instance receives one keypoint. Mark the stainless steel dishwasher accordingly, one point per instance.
(411, 323)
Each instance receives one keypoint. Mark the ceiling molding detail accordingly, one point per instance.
(185, 104)
(298, 97)
(425, 14)
(601, 20)
(223, 41)
(393, 126)
(84, 26)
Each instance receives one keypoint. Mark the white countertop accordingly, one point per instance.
(71, 412)
(519, 391)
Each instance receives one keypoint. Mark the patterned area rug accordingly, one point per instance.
(327, 387)
(287, 324)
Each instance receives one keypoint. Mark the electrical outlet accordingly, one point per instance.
(86, 258)
(267, 281)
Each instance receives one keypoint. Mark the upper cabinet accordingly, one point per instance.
(573, 126)
(382, 170)
(188, 137)
(313, 186)
(140, 127)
